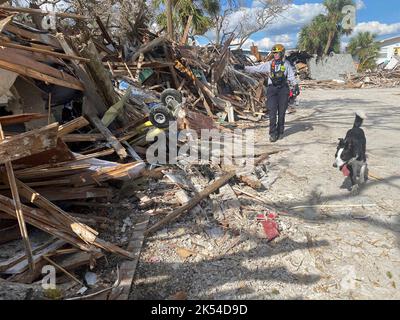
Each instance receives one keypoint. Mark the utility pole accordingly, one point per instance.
(169, 20)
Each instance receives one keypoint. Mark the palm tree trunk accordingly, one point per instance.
(329, 42)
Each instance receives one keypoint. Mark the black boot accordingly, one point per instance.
(273, 138)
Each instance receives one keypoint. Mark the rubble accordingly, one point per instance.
(75, 107)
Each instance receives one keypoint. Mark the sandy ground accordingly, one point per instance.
(340, 251)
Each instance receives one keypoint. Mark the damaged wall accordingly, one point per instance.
(335, 66)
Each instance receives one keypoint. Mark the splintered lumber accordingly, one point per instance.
(18, 209)
(72, 125)
(45, 173)
(100, 75)
(22, 265)
(89, 137)
(60, 229)
(147, 47)
(4, 22)
(60, 153)
(29, 143)
(118, 147)
(12, 60)
(192, 203)
(128, 268)
(68, 193)
(45, 38)
(43, 203)
(44, 13)
(110, 171)
(38, 50)
(94, 103)
(67, 261)
(20, 118)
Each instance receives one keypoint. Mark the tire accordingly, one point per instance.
(160, 116)
(168, 94)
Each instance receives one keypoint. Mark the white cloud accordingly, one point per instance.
(378, 28)
(265, 44)
(360, 4)
(295, 17)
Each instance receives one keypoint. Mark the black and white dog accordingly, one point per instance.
(351, 154)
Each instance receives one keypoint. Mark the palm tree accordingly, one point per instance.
(323, 34)
(313, 37)
(334, 19)
(183, 9)
(365, 48)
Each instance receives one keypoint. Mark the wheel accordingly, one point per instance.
(169, 94)
(160, 116)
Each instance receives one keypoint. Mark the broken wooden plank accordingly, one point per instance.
(21, 266)
(20, 118)
(47, 39)
(72, 125)
(61, 153)
(88, 137)
(101, 77)
(4, 22)
(13, 61)
(128, 268)
(47, 52)
(40, 219)
(147, 47)
(109, 136)
(18, 209)
(94, 103)
(202, 195)
(68, 193)
(41, 12)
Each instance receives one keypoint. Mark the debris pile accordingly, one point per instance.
(75, 110)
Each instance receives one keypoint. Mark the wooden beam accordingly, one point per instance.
(90, 137)
(71, 126)
(192, 203)
(4, 22)
(12, 60)
(44, 13)
(94, 102)
(147, 47)
(20, 118)
(18, 209)
(128, 268)
(50, 53)
(109, 136)
(28, 143)
(47, 39)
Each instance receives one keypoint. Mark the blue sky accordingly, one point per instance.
(378, 16)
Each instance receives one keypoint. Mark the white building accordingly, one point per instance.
(388, 48)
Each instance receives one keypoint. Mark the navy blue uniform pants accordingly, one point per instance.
(277, 103)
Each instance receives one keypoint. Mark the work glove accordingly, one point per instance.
(238, 66)
(296, 90)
